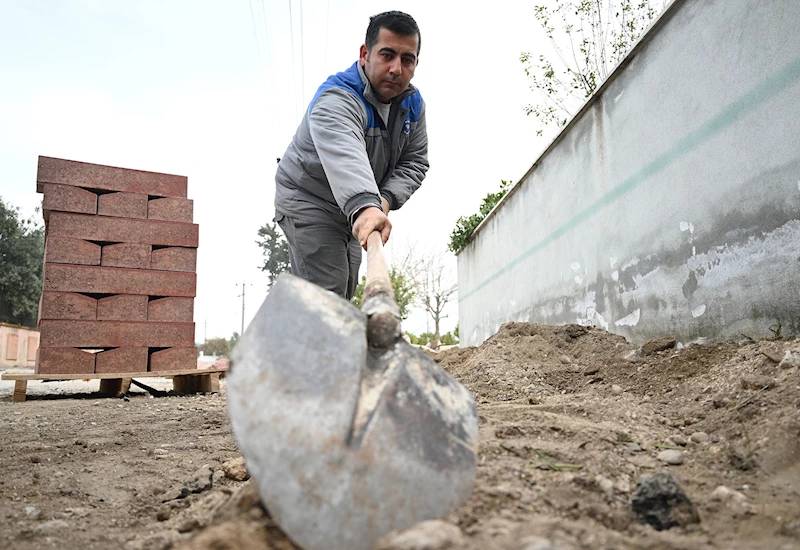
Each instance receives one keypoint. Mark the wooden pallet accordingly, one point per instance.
(114, 384)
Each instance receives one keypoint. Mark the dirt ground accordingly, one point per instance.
(570, 419)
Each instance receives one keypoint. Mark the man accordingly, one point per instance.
(360, 151)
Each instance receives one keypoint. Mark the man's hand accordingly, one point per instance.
(372, 219)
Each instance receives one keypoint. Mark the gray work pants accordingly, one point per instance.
(325, 254)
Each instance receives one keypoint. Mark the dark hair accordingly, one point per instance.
(398, 22)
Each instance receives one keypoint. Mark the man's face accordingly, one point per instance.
(390, 64)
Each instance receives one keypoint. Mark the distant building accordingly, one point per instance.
(18, 346)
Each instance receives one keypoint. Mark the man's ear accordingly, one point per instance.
(362, 57)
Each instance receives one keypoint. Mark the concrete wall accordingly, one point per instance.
(18, 346)
(671, 204)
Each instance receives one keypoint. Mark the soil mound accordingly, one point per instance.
(575, 425)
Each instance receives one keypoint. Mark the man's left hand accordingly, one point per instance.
(372, 219)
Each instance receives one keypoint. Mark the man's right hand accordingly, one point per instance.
(368, 220)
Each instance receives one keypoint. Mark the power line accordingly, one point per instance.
(327, 19)
(258, 46)
(291, 34)
(266, 35)
(302, 59)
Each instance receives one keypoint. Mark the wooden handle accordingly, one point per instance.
(378, 281)
(383, 316)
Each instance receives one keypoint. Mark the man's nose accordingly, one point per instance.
(396, 67)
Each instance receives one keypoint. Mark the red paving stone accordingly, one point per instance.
(64, 360)
(122, 205)
(68, 198)
(132, 255)
(68, 250)
(109, 178)
(171, 308)
(114, 334)
(171, 210)
(122, 307)
(175, 358)
(67, 305)
(122, 360)
(123, 230)
(174, 258)
(118, 280)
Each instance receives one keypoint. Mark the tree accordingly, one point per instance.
(426, 338)
(275, 250)
(434, 290)
(422, 340)
(598, 34)
(217, 347)
(449, 339)
(21, 259)
(403, 291)
(466, 225)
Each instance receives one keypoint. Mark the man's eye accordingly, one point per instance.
(387, 56)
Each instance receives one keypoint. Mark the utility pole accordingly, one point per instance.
(243, 291)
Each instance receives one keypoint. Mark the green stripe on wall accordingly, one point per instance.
(756, 97)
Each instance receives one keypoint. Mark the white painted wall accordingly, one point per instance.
(671, 204)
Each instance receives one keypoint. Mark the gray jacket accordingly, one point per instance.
(344, 158)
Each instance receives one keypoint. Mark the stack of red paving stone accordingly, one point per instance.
(119, 273)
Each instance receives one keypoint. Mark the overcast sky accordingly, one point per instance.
(214, 90)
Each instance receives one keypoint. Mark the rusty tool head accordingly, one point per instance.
(346, 440)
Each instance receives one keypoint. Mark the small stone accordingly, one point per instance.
(660, 502)
(605, 484)
(158, 490)
(654, 346)
(176, 494)
(721, 402)
(32, 512)
(671, 457)
(35, 459)
(537, 543)
(757, 382)
(635, 448)
(616, 390)
(188, 526)
(735, 501)
(52, 526)
(679, 440)
(623, 486)
(164, 513)
(217, 477)
(235, 469)
(201, 480)
(428, 535)
(161, 452)
(721, 494)
(790, 360)
(588, 371)
(699, 437)
(565, 360)
(75, 512)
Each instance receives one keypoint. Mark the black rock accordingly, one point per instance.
(660, 502)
